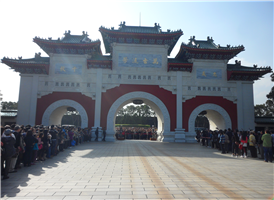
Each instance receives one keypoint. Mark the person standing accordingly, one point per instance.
(267, 145)
(30, 140)
(8, 140)
(236, 142)
(53, 134)
(104, 134)
(260, 144)
(222, 141)
(252, 143)
(244, 140)
(96, 134)
(70, 134)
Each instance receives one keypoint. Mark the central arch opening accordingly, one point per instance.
(161, 112)
(136, 121)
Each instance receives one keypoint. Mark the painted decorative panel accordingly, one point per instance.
(209, 73)
(140, 60)
(67, 68)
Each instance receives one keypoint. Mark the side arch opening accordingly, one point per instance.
(55, 112)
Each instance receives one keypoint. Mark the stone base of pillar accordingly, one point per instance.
(190, 137)
(110, 138)
(168, 137)
(180, 135)
(93, 129)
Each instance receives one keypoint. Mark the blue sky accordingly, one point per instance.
(235, 23)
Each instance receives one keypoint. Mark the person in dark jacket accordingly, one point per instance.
(53, 133)
(8, 140)
(260, 145)
(104, 134)
(96, 133)
(30, 140)
(236, 142)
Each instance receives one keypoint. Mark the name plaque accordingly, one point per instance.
(140, 60)
(209, 73)
(67, 68)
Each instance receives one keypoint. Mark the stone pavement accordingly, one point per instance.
(141, 170)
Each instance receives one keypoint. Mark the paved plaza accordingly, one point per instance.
(141, 170)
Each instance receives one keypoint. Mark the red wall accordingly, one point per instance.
(46, 101)
(191, 104)
(111, 95)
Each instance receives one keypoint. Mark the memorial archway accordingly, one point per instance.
(55, 112)
(154, 102)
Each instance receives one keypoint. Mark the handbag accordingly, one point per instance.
(241, 146)
(40, 146)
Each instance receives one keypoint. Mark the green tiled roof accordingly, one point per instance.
(264, 120)
(36, 60)
(174, 60)
(8, 113)
(238, 67)
(73, 39)
(208, 44)
(141, 29)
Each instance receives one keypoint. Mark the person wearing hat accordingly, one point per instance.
(8, 140)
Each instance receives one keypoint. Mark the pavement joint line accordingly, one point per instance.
(190, 169)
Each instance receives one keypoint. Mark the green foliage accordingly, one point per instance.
(271, 93)
(71, 119)
(139, 111)
(9, 105)
(142, 114)
(265, 110)
(201, 121)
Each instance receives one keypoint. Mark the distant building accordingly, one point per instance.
(76, 74)
(8, 117)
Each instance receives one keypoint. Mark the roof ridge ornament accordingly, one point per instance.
(209, 39)
(238, 63)
(67, 33)
(38, 55)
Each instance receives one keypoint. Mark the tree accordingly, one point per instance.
(265, 110)
(271, 93)
(132, 114)
(71, 117)
(9, 105)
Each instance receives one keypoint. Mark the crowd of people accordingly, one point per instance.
(25, 145)
(138, 133)
(238, 143)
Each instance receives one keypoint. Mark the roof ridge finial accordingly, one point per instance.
(238, 62)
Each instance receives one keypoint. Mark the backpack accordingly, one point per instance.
(226, 139)
(8, 146)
